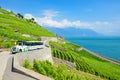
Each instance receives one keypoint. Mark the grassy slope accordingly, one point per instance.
(59, 71)
(85, 61)
(9, 23)
(104, 68)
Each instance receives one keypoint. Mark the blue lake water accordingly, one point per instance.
(106, 46)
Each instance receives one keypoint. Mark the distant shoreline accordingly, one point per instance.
(100, 56)
(112, 60)
(103, 57)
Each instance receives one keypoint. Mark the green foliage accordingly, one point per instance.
(44, 68)
(6, 44)
(66, 53)
(27, 64)
(58, 72)
(103, 68)
(9, 23)
(19, 15)
(85, 61)
(11, 35)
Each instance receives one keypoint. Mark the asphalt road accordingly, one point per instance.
(4, 56)
(6, 68)
(10, 75)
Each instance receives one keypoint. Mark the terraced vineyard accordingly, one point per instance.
(59, 72)
(85, 61)
(69, 55)
(13, 27)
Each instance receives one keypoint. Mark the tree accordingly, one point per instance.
(32, 19)
(19, 15)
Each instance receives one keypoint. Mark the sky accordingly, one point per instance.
(102, 16)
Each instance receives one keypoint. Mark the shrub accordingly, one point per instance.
(27, 64)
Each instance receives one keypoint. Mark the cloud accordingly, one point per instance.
(99, 23)
(28, 16)
(48, 20)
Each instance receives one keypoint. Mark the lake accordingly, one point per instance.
(106, 46)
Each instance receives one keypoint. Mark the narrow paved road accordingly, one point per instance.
(3, 62)
(10, 75)
(6, 63)
(6, 72)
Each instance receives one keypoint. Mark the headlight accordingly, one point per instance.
(13, 48)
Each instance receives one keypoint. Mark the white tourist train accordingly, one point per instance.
(24, 46)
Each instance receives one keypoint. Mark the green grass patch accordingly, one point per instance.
(58, 72)
(27, 64)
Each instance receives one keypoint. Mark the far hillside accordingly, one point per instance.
(16, 27)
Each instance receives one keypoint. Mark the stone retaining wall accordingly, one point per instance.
(41, 54)
(21, 70)
(43, 38)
